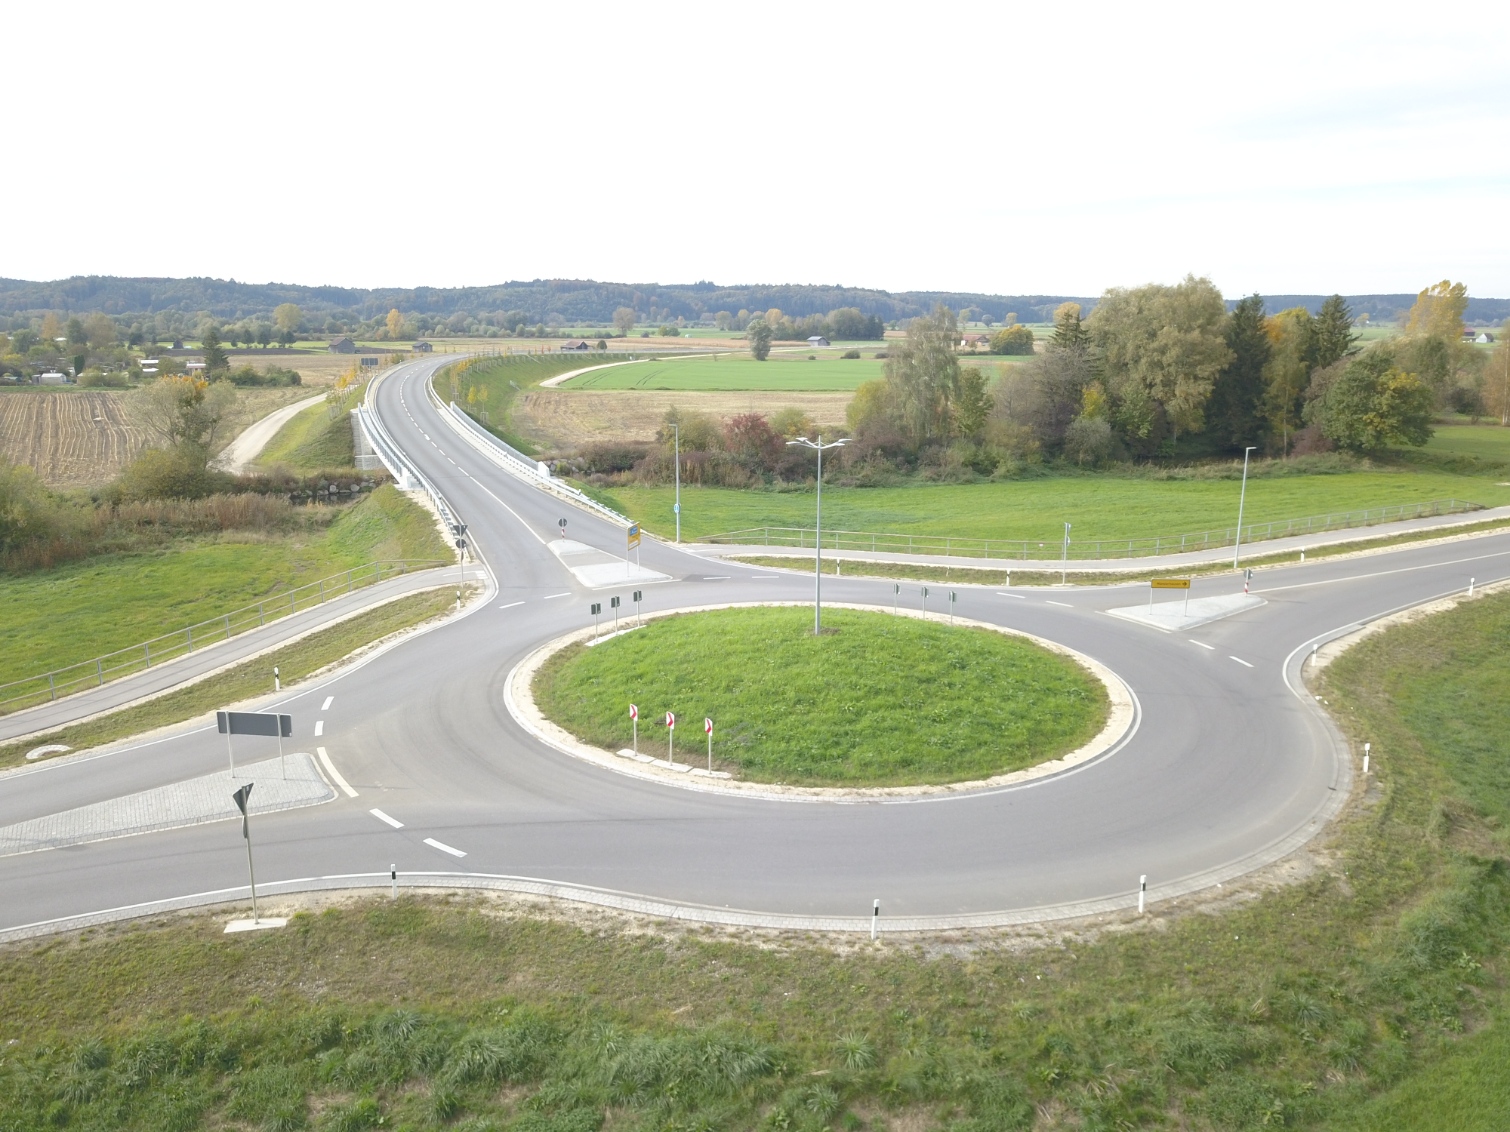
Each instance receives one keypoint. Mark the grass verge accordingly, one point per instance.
(51, 618)
(252, 678)
(836, 563)
(315, 439)
(876, 701)
(1370, 995)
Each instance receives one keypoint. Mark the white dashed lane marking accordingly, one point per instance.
(394, 822)
(328, 701)
(511, 605)
(319, 727)
(1203, 644)
(443, 847)
(1066, 604)
(1241, 661)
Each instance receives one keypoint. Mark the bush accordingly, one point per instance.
(848, 354)
(247, 377)
(169, 474)
(1012, 340)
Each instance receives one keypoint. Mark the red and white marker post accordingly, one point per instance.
(634, 722)
(708, 727)
(670, 737)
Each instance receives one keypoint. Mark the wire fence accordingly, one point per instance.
(93, 673)
(1053, 548)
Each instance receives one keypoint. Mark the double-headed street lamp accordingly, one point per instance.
(818, 446)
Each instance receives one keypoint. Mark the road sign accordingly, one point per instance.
(671, 719)
(241, 798)
(597, 608)
(634, 536)
(708, 725)
(613, 603)
(634, 711)
(254, 723)
(636, 597)
(1170, 583)
(676, 508)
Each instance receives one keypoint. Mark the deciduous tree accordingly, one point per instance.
(289, 317)
(759, 335)
(1438, 311)
(1012, 340)
(924, 374)
(624, 319)
(395, 323)
(1374, 403)
(1287, 373)
(1163, 347)
(183, 413)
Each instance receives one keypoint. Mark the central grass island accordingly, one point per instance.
(877, 700)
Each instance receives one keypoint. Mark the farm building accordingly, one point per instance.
(817, 340)
(423, 347)
(343, 346)
(1485, 338)
(576, 344)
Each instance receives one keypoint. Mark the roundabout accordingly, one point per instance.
(887, 704)
(1221, 763)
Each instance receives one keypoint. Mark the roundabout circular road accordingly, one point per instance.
(1229, 766)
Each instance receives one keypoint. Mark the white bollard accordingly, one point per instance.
(393, 876)
(1142, 888)
(1366, 746)
(875, 916)
(277, 684)
(1470, 587)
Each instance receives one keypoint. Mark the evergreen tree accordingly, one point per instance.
(1234, 413)
(1334, 332)
(1069, 332)
(215, 359)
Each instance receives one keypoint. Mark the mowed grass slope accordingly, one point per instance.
(1106, 506)
(722, 372)
(877, 701)
(313, 440)
(69, 614)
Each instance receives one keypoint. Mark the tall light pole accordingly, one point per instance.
(676, 457)
(818, 447)
(1242, 497)
(1064, 557)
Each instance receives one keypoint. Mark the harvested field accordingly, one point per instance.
(81, 437)
(72, 438)
(561, 420)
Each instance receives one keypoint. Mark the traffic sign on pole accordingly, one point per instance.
(242, 798)
(634, 536)
(670, 737)
(634, 722)
(925, 599)
(708, 727)
(597, 608)
(637, 616)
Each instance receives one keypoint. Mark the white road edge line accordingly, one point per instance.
(394, 822)
(1241, 661)
(334, 773)
(443, 847)
(511, 605)
(319, 728)
(1049, 601)
(328, 701)
(1203, 644)
(548, 597)
(1019, 597)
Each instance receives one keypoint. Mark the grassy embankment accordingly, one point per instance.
(1369, 995)
(486, 389)
(725, 372)
(876, 701)
(56, 617)
(251, 678)
(317, 438)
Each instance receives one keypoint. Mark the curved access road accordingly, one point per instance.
(1230, 765)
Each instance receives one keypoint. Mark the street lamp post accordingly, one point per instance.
(676, 457)
(1064, 557)
(818, 447)
(1242, 497)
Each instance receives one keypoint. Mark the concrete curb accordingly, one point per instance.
(518, 697)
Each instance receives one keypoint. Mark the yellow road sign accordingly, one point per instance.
(1170, 583)
(634, 535)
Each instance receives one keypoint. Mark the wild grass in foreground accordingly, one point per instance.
(251, 678)
(876, 701)
(1369, 996)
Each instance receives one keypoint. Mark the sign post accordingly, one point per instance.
(614, 603)
(634, 545)
(253, 723)
(670, 737)
(708, 727)
(634, 722)
(1169, 584)
(242, 796)
(596, 611)
(638, 619)
(896, 593)
(925, 599)
(562, 524)
(952, 597)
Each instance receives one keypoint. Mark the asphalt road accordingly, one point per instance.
(1231, 763)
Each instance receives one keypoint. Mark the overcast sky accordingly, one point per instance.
(998, 147)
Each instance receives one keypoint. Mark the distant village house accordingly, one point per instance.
(576, 344)
(817, 340)
(423, 347)
(343, 346)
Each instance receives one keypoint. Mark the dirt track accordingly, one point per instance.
(563, 420)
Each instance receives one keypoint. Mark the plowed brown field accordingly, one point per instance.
(562, 420)
(73, 438)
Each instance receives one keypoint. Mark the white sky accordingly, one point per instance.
(1005, 148)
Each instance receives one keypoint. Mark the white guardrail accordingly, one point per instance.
(516, 463)
(405, 474)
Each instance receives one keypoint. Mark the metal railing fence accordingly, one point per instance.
(32, 690)
(1052, 547)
